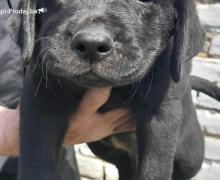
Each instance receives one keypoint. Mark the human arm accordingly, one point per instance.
(86, 124)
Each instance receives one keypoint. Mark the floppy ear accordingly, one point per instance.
(188, 36)
(22, 28)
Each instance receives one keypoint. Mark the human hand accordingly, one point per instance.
(86, 125)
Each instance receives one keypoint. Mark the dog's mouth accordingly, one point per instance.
(94, 76)
(90, 79)
(93, 79)
(85, 76)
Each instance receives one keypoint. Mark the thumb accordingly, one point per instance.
(93, 100)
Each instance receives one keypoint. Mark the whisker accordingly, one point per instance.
(151, 82)
(37, 61)
(44, 58)
(45, 37)
(51, 89)
(42, 38)
(46, 73)
(58, 80)
(47, 68)
(54, 65)
(49, 85)
(134, 88)
(38, 85)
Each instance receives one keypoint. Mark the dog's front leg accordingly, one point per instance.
(44, 120)
(157, 135)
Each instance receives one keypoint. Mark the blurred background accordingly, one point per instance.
(206, 65)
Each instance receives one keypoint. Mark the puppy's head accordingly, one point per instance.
(106, 42)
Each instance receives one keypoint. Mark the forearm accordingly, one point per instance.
(86, 125)
(9, 130)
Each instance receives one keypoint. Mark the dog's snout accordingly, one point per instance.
(92, 45)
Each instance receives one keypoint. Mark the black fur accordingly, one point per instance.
(151, 39)
(121, 149)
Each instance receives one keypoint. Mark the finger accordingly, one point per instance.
(122, 119)
(127, 126)
(93, 100)
(114, 117)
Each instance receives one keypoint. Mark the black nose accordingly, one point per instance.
(92, 45)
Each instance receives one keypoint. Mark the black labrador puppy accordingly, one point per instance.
(121, 149)
(140, 47)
